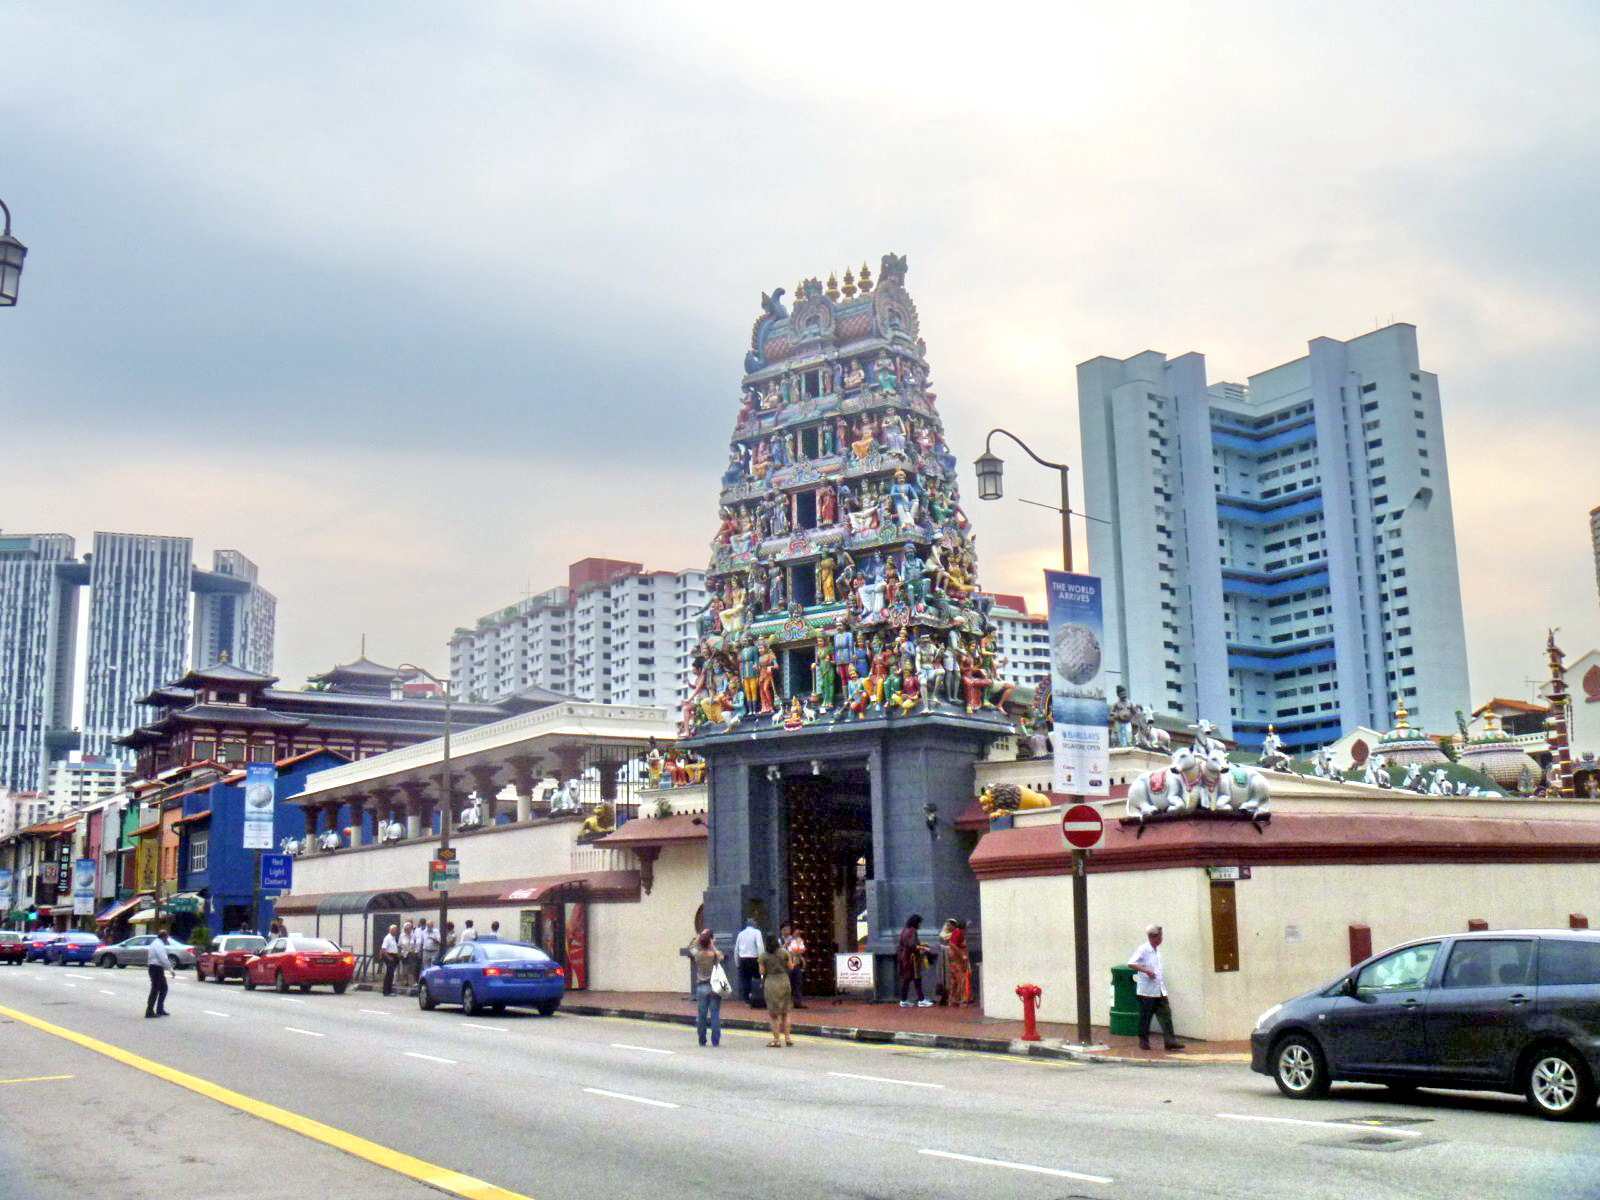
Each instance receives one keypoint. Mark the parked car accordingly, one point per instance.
(13, 946)
(227, 956)
(74, 946)
(37, 941)
(492, 974)
(135, 952)
(301, 962)
(1512, 1011)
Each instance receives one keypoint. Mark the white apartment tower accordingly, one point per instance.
(1279, 553)
(38, 640)
(234, 616)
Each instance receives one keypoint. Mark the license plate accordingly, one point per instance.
(530, 974)
(324, 961)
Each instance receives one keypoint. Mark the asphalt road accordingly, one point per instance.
(574, 1107)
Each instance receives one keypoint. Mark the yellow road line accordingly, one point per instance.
(435, 1176)
(35, 1079)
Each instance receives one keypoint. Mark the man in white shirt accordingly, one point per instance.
(1151, 985)
(159, 961)
(469, 934)
(390, 953)
(747, 948)
(427, 946)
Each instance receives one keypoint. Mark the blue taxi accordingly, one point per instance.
(490, 973)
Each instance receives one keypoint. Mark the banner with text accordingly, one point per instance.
(260, 784)
(83, 875)
(1078, 705)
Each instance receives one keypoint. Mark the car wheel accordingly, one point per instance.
(425, 1000)
(469, 1002)
(218, 975)
(281, 983)
(1558, 1084)
(1298, 1068)
(547, 1008)
(338, 988)
(106, 961)
(249, 984)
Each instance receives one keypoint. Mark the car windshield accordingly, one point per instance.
(501, 952)
(312, 946)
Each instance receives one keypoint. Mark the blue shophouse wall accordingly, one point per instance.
(229, 877)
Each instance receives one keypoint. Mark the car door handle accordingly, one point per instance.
(1409, 1003)
(1518, 998)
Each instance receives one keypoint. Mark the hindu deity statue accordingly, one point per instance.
(855, 378)
(883, 374)
(823, 674)
(825, 588)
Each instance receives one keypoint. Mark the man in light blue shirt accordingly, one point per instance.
(159, 961)
(748, 948)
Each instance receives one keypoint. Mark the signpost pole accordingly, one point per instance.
(1080, 938)
(255, 897)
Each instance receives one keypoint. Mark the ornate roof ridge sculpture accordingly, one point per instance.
(843, 575)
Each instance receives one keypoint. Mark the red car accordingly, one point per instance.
(13, 946)
(227, 956)
(301, 962)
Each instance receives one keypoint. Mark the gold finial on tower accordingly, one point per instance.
(833, 287)
(866, 279)
(1400, 714)
(849, 284)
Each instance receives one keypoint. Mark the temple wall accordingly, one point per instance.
(634, 947)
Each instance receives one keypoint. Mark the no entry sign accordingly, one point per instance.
(1082, 827)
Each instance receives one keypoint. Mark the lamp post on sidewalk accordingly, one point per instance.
(12, 252)
(397, 691)
(990, 468)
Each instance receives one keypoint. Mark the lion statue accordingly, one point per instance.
(602, 820)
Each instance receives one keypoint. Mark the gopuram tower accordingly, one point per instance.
(845, 683)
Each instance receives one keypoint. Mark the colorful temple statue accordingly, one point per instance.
(843, 576)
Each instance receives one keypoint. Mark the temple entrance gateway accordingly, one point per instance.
(828, 819)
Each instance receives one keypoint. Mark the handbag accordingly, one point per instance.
(719, 981)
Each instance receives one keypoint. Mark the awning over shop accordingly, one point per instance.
(117, 908)
(657, 831)
(193, 817)
(143, 917)
(325, 904)
(147, 829)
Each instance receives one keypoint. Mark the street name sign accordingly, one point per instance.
(1082, 826)
(442, 873)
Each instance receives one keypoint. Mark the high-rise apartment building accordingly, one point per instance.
(141, 588)
(38, 638)
(1278, 553)
(614, 634)
(1594, 539)
(1022, 639)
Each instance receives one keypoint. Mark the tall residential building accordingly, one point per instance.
(38, 639)
(1022, 639)
(140, 589)
(1594, 539)
(614, 634)
(235, 618)
(1332, 590)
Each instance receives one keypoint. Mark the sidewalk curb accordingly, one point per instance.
(888, 1037)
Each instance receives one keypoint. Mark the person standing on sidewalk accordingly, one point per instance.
(468, 933)
(408, 950)
(707, 1000)
(774, 964)
(748, 948)
(795, 945)
(1151, 986)
(159, 961)
(390, 954)
(908, 960)
(958, 962)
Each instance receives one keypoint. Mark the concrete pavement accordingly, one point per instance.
(579, 1106)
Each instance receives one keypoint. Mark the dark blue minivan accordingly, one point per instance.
(1504, 1011)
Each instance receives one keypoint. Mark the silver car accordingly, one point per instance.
(135, 952)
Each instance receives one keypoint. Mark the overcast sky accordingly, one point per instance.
(414, 304)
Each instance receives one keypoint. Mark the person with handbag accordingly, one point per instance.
(710, 986)
(796, 946)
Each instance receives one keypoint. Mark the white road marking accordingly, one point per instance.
(375, 1012)
(293, 1000)
(625, 1096)
(1344, 1125)
(64, 983)
(1011, 1166)
(881, 1079)
(488, 1028)
(307, 1032)
(449, 1062)
(643, 1049)
(211, 1012)
(107, 992)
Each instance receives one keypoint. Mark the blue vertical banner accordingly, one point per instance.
(260, 808)
(83, 877)
(1078, 707)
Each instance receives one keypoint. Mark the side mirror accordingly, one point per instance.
(1349, 988)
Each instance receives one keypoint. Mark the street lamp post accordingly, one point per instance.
(990, 468)
(397, 690)
(12, 252)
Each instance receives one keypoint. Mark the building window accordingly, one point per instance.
(260, 753)
(204, 750)
(199, 851)
(1367, 388)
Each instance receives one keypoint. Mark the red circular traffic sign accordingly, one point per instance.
(1082, 826)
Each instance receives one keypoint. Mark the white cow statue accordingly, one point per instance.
(329, 840)
(1234, 787)
(1374, 774)
(291, 846)
(1273, 756)
(393, 831)
(1147, 734)
(1439, 783)
(1167, 789)
(1414, 782)
(471, 815)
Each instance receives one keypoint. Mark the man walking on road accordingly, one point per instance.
(1151, 986)
(748, 948)
(159, 960)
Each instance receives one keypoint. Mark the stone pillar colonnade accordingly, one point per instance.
(524, 777)
(483, 782)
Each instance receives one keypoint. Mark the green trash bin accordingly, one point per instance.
(1124, 1002)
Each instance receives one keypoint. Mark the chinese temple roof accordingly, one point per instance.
(362, 676)
(225, 674)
